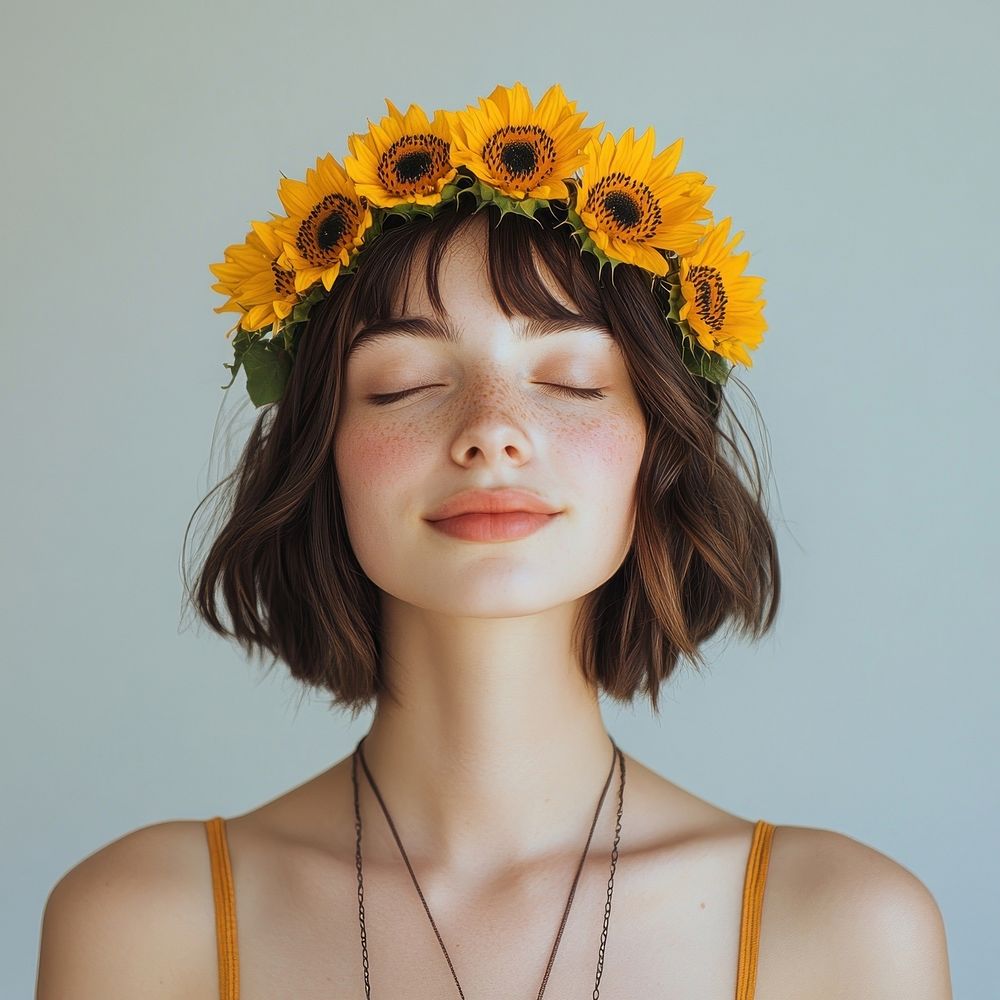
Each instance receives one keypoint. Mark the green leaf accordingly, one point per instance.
(268, 366)
(241, 343)
(287, 335)
(234, 368)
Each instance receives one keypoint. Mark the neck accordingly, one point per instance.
(495, 754)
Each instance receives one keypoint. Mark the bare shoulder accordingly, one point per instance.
(867, 925)
(135, 918)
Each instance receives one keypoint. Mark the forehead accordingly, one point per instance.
(463, 276)
(469, 296)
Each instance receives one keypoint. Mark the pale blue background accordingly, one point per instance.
(856, 145)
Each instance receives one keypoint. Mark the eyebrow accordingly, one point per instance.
(431, 328)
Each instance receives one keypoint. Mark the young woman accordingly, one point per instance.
(491, 491)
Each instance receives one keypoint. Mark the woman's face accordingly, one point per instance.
(487, 413)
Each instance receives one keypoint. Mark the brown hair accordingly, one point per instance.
(703, 552)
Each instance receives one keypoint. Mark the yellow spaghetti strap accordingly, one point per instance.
(753, 904)
(225, 909)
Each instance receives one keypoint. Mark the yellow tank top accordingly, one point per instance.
(225, 909)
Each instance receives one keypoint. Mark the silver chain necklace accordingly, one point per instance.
(617, 756)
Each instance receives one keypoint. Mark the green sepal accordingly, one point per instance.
(408, 210)
(513, 206)
(672, 284)
(484, 195)
(462, 181)
(704, 364)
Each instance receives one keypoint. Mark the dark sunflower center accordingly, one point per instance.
(412, 166)
(622, 209)
(710, 295)
(330, 230)
(519, 158)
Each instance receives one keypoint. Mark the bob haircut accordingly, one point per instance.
(703, 553)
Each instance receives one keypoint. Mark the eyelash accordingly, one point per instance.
(391, 397)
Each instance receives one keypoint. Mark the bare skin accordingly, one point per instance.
(493, 762)
(675, 870)
(136, 919)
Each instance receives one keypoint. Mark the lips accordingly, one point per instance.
(506, 527)
(499, 501)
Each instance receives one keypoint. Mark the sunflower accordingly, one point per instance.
(632, 204)
(721, 306)
(327, 219)
(518, 149)
(259, 288)
(404, 159)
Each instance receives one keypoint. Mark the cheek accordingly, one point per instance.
(370, 458)
(602, 458)
(603, 447)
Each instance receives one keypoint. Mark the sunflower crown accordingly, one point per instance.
(624, 204)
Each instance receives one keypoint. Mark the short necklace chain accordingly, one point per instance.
(618, 757)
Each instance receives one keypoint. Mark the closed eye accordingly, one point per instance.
(384, 399)
(572, 391)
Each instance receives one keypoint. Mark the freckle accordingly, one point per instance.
(702, 904)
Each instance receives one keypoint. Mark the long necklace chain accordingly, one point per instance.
(618, 757)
